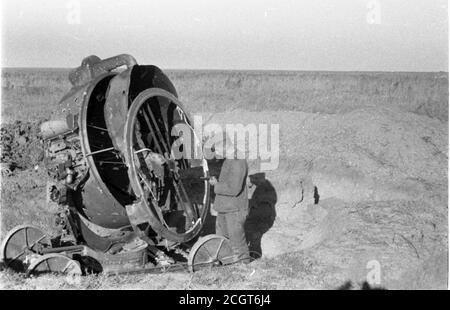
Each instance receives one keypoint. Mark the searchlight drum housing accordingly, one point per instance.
(125, 198)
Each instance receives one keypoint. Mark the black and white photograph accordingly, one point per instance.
(246, 147)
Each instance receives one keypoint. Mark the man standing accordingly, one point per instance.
(231, 202)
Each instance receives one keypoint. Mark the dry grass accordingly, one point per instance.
(23, 201)
(31, 94)
(289, 271)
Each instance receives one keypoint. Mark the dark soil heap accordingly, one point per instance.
(21, 145)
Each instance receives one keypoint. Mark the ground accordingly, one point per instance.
(361, 184)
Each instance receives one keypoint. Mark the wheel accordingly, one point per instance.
(173, 186)
(55, 264)
(210, 250)
(20, 244)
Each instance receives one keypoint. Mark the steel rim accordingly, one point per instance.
(21, 242)
(54, 264)
(162, 146)
(211, 250)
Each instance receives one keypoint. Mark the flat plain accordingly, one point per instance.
(362, 176)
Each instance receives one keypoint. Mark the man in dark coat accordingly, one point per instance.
(231, 202)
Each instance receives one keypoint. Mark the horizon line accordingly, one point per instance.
(254, 70)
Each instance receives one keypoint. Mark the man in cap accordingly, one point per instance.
(231, 202)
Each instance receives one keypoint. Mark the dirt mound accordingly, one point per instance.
(399, 236)
(346, 239)
(366, 154)
(21, 146)
(358, 188)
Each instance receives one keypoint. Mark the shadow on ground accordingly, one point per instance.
(262, 212)
(365, 286)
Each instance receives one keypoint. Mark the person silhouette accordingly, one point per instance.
(231, 201)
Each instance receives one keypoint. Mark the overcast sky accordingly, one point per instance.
(351, 35)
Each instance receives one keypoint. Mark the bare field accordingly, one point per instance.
(31, 94)
(374, 146)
